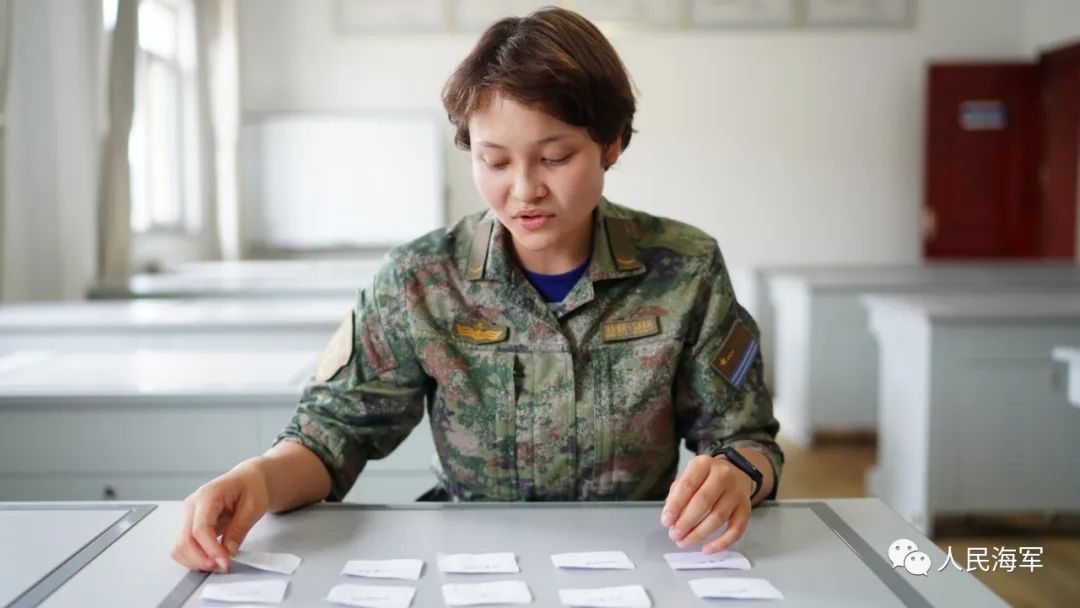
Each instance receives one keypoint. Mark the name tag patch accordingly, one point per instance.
(736, 355)
(615, 331)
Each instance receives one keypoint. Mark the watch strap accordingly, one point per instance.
(744, 465)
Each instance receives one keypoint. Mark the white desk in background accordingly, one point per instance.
(818, 553)
(225, 286)
(124, 325)
(1070, 356)
(249, 278)
(753, 286)
(304, 267)
(826, 359)
(143, 424)
(971, 418)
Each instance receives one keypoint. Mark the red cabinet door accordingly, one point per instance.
(982, 152)
(1059, 73)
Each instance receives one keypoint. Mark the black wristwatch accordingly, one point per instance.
(744, 465)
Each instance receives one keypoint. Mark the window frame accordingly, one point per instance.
(184, 164)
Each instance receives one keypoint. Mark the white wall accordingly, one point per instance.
(293, 59)
(52, 150)
(797, 146)
(788, 146)
(1050, 23)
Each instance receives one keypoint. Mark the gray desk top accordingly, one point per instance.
(66, 538)
(828, 553)
(70, 530)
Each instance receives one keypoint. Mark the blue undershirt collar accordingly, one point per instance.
(554, 287)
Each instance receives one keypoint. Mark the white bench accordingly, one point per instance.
(125, 325)
(156, 424)
(826, 359)
(970, 419)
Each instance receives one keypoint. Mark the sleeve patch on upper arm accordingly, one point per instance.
(736, 354)
(338, 351)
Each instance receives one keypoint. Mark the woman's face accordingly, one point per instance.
(541, 176)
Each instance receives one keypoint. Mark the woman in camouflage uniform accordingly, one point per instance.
(562, 345)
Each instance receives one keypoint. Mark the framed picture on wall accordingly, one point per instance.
(475, 15)
(391, 16)
(658, 14)
(889, 13)
(742, 13)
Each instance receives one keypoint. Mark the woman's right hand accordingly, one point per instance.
(227, 506)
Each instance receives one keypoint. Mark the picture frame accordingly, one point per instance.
(472, 16)
(632, 14)
(475, 15)
(391, 16)
(742, 13)
(859, 13)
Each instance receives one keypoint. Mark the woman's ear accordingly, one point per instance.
(610, 154)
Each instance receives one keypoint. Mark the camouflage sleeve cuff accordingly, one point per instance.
(339, 483)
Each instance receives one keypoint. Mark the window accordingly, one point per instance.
(163, 145)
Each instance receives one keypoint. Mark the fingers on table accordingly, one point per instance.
(186, 550)
(683, 489)
(204, 530)
(247, 513)
(737, 523)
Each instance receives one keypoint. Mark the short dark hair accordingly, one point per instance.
(553, 59)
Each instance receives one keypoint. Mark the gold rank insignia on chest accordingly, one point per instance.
(615, 331)
(480, 332)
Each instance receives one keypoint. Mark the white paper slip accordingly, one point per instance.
(479, 563)
(629, 596)
(372, 596)
(385, 568)
(594, 560)
(726, 560)
(735, 588)
(282, 563)
(479, 594)
(267, 592)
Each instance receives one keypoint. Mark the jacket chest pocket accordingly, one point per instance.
(636, 450)
(472, 418)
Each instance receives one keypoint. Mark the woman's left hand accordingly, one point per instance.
(708, 494)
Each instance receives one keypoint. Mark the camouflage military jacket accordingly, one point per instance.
(583, 400)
